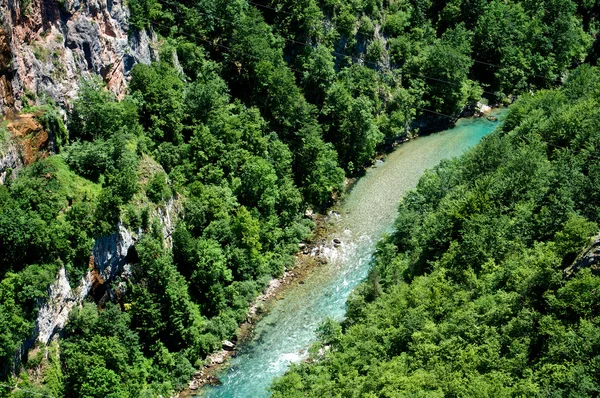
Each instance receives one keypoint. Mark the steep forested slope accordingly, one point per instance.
(468, 297)
(242, 223)
(253, 112)
(369, 67)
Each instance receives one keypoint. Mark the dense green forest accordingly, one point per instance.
(468, 297)
(257, 111)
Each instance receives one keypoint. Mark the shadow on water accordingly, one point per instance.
(284, 335)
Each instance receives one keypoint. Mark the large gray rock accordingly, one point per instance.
(10, 160)
(590, 258)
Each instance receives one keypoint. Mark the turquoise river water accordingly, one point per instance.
(367, 212)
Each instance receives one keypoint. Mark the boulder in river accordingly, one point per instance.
(228, 345)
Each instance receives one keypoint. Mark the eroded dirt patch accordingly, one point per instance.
(30, 136)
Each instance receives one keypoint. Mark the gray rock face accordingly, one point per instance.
(10, 161)
(138, 50)
(110, 256)
(55, 311)
(167, 216)
(110, 253)
(83, 36)
(590, 258)
(47, 49)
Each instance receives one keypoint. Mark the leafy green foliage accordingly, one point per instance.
(102, 357)
(468, 296)
(30, 230)
(158, 189)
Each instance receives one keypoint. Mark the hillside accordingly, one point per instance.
(474, 293)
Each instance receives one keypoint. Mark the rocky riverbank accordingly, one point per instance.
(311, 254)
(321, 249)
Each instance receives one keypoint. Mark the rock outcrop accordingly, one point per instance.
(167, 215)
(48, 46)
(54, 312)
(108, 258)
(589, 258)
(22, 142)
(10, 160)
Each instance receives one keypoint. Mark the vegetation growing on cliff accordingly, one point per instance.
(468, 296)
(242, 219)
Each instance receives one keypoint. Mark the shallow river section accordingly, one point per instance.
(368, 211)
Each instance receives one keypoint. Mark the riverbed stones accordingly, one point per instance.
(217, 358)
(333, 216)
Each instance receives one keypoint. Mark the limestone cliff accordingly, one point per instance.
(109, 259)
(47, 46)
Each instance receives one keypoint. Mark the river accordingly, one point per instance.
(367, 212)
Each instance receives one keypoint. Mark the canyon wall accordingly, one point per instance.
(48, 46)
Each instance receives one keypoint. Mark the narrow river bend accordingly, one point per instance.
(368, 211)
